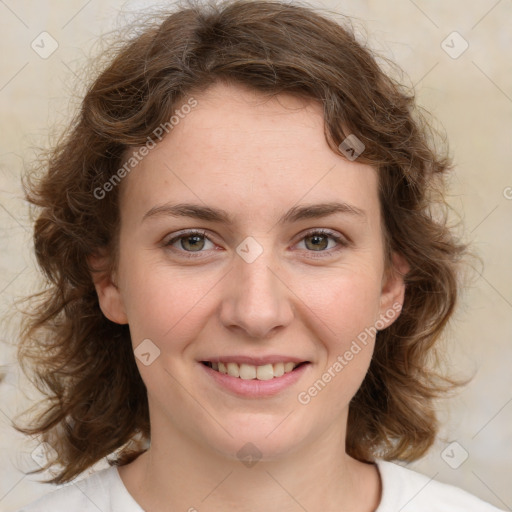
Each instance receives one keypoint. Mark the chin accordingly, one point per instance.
(257, 442)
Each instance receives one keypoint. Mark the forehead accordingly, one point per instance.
(237, 147)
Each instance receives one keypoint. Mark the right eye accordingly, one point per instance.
(189, 242)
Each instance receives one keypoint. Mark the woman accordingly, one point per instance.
(247, 281)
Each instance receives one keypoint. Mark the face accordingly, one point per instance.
(276, 265)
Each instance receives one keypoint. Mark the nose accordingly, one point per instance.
(256, 300)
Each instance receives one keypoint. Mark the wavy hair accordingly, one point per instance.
(95, 402)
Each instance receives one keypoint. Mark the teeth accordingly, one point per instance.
(233, 370)
(278, 369)
(288, 367)
(249, 372)
(265, 372)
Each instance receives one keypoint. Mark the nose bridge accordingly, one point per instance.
(256, 300)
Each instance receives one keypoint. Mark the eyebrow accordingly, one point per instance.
(294, 214)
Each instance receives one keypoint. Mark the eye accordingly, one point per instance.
(319, 241)
(191, 241)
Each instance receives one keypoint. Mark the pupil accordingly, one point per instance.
(197, 239)
(318, 241)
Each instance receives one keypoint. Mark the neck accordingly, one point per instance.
(177, 470)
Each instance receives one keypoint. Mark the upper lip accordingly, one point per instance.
(255, 361)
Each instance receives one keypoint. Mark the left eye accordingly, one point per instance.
(319, 241)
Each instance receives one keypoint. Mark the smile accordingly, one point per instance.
(249, 372)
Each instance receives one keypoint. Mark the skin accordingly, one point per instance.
(255, 158)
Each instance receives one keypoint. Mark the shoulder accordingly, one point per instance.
(102, 490)
(408, 491)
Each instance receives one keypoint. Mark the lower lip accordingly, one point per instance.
(255, 388)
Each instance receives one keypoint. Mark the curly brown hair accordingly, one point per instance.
(95, 400)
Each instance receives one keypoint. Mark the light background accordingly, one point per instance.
(470, 95)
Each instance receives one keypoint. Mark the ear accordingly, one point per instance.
(393, 291)
(109, 296)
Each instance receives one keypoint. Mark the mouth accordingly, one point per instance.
(251, 372)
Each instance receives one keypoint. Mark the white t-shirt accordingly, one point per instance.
(403, 490)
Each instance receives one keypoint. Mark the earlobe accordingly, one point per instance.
(393, 290)
(109, 296)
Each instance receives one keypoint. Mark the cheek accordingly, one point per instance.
(163, 304)
(348, 314)
(346, 301)
(349, 311)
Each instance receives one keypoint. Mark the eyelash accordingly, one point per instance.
(341, 241)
